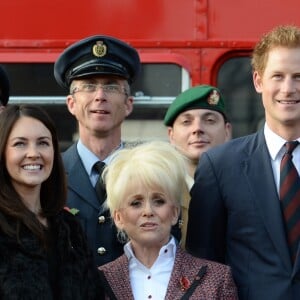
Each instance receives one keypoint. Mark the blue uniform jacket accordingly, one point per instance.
(94, 218)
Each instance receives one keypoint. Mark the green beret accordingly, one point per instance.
(201, 96)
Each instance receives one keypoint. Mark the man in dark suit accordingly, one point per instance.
(236, 215)
(98, 72)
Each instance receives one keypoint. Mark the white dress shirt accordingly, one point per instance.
(275, 145)
(151, 283)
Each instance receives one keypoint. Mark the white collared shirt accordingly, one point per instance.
(151, 283)
(275, 145)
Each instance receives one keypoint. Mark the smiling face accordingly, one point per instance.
(197, 130)
(146, 215)
(99, 113)
(29, 154)
(280, 88)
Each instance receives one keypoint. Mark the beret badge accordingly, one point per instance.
(99, 49)
(213, 98)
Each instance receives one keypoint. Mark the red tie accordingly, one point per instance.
(290, 197)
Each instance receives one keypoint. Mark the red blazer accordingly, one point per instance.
(204, 279)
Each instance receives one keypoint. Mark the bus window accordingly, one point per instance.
(154, 90)
(159, 80)
(243, 104)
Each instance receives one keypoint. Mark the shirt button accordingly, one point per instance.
(101, 219)
(101, 250)
(149, 297)
(149, 277)
(166, 251)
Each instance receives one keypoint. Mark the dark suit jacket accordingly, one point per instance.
(215, 282)
(95, 219)
(235, 218)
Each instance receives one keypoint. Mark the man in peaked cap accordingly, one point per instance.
(196, 122)
(4, 88)
(98, 72)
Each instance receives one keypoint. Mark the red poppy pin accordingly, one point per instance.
(184, 283)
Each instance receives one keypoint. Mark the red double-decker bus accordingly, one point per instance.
(181, 43)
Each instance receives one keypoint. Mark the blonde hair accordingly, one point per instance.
(281, 36)
(155, 164)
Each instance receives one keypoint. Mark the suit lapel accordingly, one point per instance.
(184, 268)
(296, 269)
(117, 275)
(265, 194)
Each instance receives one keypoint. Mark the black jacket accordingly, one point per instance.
(29, 272)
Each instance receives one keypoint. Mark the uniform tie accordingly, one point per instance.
(289, 193)
(100, 187)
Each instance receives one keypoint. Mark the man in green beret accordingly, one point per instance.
(196, 122)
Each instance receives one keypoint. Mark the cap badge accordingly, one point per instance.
(99, 50)
(213, 98)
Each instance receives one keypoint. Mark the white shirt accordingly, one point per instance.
(151, 283)
(275, 145)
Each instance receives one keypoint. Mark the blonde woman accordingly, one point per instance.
(145, 186)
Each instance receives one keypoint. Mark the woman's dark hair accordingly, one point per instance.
(13, 213)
